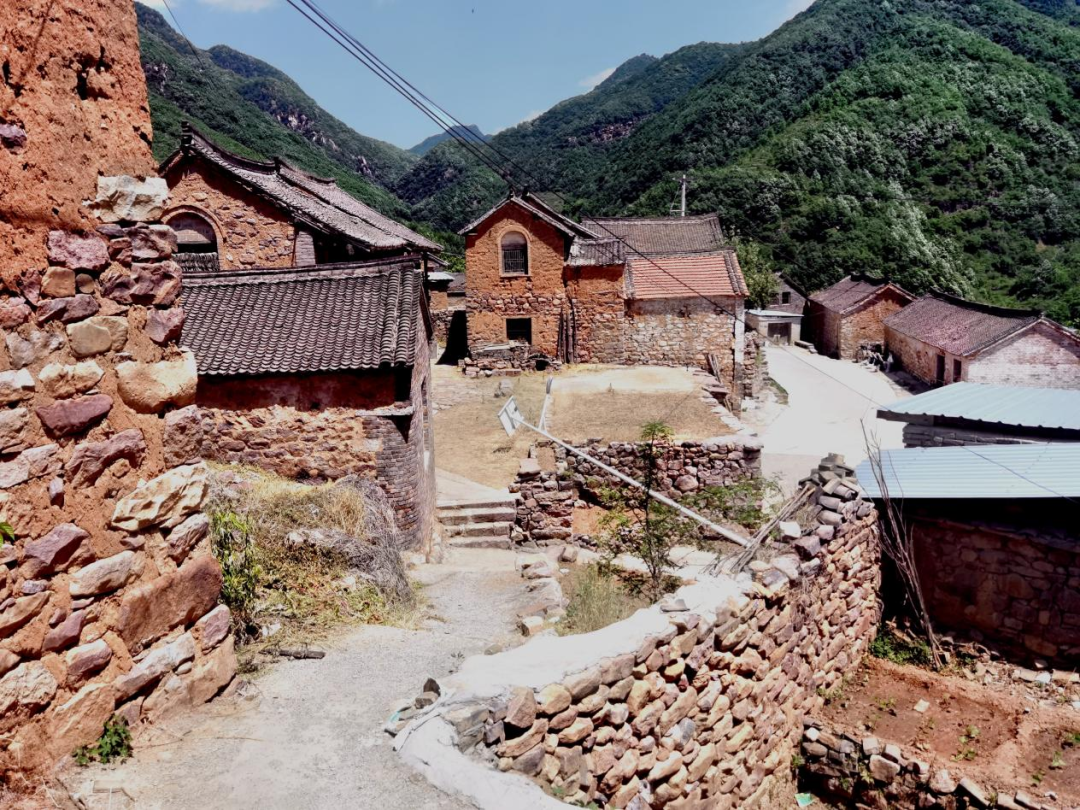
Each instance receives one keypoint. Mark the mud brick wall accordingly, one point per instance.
(108, 595)
(1041, 357)
(597, 311)
(865, 325)
(695, 708)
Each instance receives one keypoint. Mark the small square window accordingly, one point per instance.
(519, 330)
(785, 298)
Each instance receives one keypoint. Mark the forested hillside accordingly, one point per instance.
(256, 110)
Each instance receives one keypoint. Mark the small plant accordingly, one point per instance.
(7, 533)
(1057, 762)
(886, 705)
(113, 745)
(796, 762)
(967, 750)
(1071, 739)
(1037, 777)
(898, 649)
(834, 695)
(240, 570)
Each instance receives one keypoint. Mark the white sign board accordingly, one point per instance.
(510, 416)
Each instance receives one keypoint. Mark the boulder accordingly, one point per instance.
(14, 312)
(115, 325)
(33, 463)
(212, 628)
(154, 284)
(67, 310)
(90, 460)
(165, 325)
(183, 436)
(554, 699)
(53, 552)
(163, 501)
(61, 381)
(102, 576)
(150, 610)
(58, 282)
(187, 535)
(81, 719)
(149, 387)
(78, 251)
(15, 386)
(71, 416)
(125, 198)
(29, 686)
(521, 710)
(87, 659)
(22, 612)
(213, 674)
(24, 351)
(154, 665)
(13, 422)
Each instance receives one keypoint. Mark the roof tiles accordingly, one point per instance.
(851, 291)
(708, 275)
(957, 326)
(660, 236)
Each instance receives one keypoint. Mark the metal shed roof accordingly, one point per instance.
(983, 472)
(998, 404)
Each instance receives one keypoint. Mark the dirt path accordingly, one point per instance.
(312, 735)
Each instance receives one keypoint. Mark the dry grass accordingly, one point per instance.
(469, 440)
(617, 416)
(596, 599)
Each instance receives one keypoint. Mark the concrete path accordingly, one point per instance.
(829, 402)
(312, 736)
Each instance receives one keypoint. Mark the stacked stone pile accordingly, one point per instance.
(108, 595)
(545, 506)
(546, 601)
(704, 707)
(508, 360)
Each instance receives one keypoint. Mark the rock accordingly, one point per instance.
(90, 460)
(56, 492)
(58, 282)
(14, 312)
(569, 554)
(149, 387)
(29, 686)
(583, 683)
(15, 386)
(531, 626)
(78, 252)
(974, 792)
(116, 325)
(553, 699)
(61, 381)
(13, 422)
(154, 665)
(21, 612)
(183, 436)
(71, 416)
(149, 242)
(521, 710)
(24, 351)
(81, 719)
(531, 762)
(127, 199)
(213, 674)
(165, 325)
(211, 629)
(102, 576)
(538, 570)
(789, 529)
(12, 136)
(577, 731)
(33, 463)
(882, 769)
(8, 660)
(187, 535)
(808, 547)
(54, 551)
(870, 745)
(163, 501)
(922, 706)
(66, 633)
(84, 283)
(87, 659)
(686, 483)
(87, 338)
(942, 783)
(155, 284)
(151, 609)
(528, 468)
(519, 745)
(67, 310)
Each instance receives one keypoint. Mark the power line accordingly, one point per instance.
(367, 57)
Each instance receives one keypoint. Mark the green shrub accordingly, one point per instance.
(241, 572)
(113, 745)
(901, 650)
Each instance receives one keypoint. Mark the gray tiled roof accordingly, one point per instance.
(596, 253)
(538, 208)
(330, 318)
(661, 236)
(851, 291)
(316, 201)
(957, 326)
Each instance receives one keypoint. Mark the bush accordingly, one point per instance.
(240, 570)
(114, 744)
(899, 649)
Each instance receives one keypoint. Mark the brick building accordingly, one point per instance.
(943, 339)
(317, 373)
(849, 315)
(230, 212)
(575, 292)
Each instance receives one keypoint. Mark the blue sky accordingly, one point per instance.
(489, 62)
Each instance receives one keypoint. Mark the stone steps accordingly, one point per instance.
(492, 529)
(483, 513)
(474, 515)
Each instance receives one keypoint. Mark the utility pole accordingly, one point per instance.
(682, 189)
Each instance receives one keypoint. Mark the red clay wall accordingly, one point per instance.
(1041, 357)
(250, 231)
(491, 298)
(864, 326)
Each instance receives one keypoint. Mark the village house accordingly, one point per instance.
(662, 291)
(781, 321)
(944, 339)
(316, 373)
(976, 413)
(996, 540)
(231, 212)
(848, 317)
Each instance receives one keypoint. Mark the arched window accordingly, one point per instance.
(197, 248)
(515, 254)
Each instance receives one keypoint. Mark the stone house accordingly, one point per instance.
(944, 339)
(231, 212)
(316, 373)
(997, 546)
(575, 291)
(849, 315)
(789, 296)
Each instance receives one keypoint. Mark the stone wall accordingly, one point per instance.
(597, 313)
(951, 436)
(108, 595)
(702, 707)
(864, 326)
(1041, 357)
(250, 232)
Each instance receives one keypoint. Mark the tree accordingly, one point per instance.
(759, 273)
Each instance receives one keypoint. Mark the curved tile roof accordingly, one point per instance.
(851, 291)
(957, 326)
(330, 318)
(659, 236)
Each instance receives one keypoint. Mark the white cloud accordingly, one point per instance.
(159, 4)
(794, 7)
(239, 5)
(589, 82)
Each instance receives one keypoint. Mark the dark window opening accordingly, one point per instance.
(402, 384)
(940, 375)
(785, 298)
(196, 243)
(515, 254)
(519, 330)
(957, 370)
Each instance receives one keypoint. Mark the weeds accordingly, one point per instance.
(1057, 762)
(7, 533)
(597, 598)
(1071, 739)
(968, 740)
(241, 572)
(113, 745)
(1037, 777)
(898, 649)
(834, 695)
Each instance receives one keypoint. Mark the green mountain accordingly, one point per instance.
(256, 110)
(432, 141)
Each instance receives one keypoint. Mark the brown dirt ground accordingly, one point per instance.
(617, 416)
(1017, 738)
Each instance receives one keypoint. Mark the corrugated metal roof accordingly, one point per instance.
(983, 472)
(999, 404)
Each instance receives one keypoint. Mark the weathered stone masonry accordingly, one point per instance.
(691, 709)
(108, 596)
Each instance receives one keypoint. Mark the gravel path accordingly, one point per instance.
(312, 735)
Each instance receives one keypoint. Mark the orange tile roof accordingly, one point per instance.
(704, 274)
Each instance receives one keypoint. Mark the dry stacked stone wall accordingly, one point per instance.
(108, 593)
(705, 707)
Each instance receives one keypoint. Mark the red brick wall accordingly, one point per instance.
(1041, 357)
(491, 298)
(864, 326)
(250, 231)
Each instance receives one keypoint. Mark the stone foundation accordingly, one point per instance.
(695, 708)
